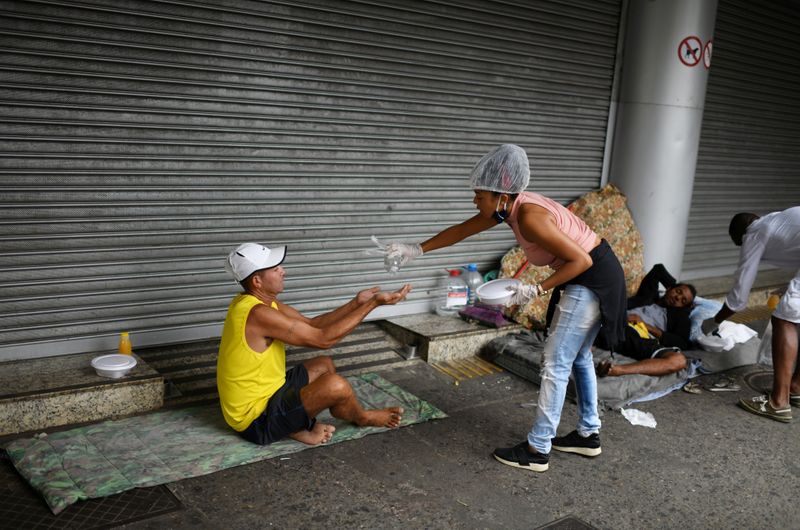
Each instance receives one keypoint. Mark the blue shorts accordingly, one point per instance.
(284, 414)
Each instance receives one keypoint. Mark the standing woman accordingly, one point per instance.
(593, 298)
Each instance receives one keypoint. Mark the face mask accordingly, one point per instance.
(499, 214)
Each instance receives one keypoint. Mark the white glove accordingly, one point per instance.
(395, 254)
(523, 293)
(709, 327)
(406, 252)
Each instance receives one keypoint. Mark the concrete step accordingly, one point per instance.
(49, 392)
(440, 338)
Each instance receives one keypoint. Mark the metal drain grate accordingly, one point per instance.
(460, 369)
(759, 381)
(22, 507)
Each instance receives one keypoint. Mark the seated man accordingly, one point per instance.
(658, 328)
(261, 400)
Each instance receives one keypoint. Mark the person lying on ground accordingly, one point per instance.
(261, 400)
(658, 329)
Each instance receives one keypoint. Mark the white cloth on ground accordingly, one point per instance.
(727, 336)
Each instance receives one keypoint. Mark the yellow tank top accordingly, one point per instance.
(246, 379)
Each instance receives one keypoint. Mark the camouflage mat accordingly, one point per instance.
(165, 446)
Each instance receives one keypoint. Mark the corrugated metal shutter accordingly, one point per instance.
(749, 158)
(142, 140)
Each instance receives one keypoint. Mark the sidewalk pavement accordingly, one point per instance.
(707, 464)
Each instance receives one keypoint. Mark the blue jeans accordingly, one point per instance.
(575, 325)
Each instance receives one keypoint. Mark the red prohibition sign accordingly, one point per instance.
(690, 51)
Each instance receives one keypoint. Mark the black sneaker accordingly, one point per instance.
(575, 443)
(519, 456)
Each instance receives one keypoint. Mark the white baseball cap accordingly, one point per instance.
(248, 258)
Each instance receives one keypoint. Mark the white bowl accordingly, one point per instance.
(115, 365)
(496, 292)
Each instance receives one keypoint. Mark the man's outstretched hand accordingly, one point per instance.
(367, 294)
(387, 298)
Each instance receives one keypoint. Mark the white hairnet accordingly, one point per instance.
(504, 169)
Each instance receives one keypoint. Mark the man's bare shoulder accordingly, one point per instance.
(264, 312)
(290, 312)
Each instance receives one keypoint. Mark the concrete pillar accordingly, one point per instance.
(665, 67)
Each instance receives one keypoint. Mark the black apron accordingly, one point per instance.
(607, 280)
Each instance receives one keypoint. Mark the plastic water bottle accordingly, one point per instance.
(392, 263)
(456, 294)
(473, 280)
(125, 347)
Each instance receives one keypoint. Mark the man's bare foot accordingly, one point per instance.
(319, 434)
(390, 417)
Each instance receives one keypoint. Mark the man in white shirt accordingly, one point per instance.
(773, 239)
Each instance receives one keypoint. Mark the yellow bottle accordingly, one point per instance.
(125, 343)
(772, 301)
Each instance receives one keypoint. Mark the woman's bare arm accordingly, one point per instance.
(456, 233)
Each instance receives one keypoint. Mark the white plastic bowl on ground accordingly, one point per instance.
(496, 292)
(114, 365)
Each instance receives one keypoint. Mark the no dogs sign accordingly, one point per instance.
(691, 51)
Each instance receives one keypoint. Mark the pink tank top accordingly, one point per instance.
(570, 224)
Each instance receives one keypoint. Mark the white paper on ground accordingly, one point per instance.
(714, 343)
(728, 335)
(738, 332)
(637, 417)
